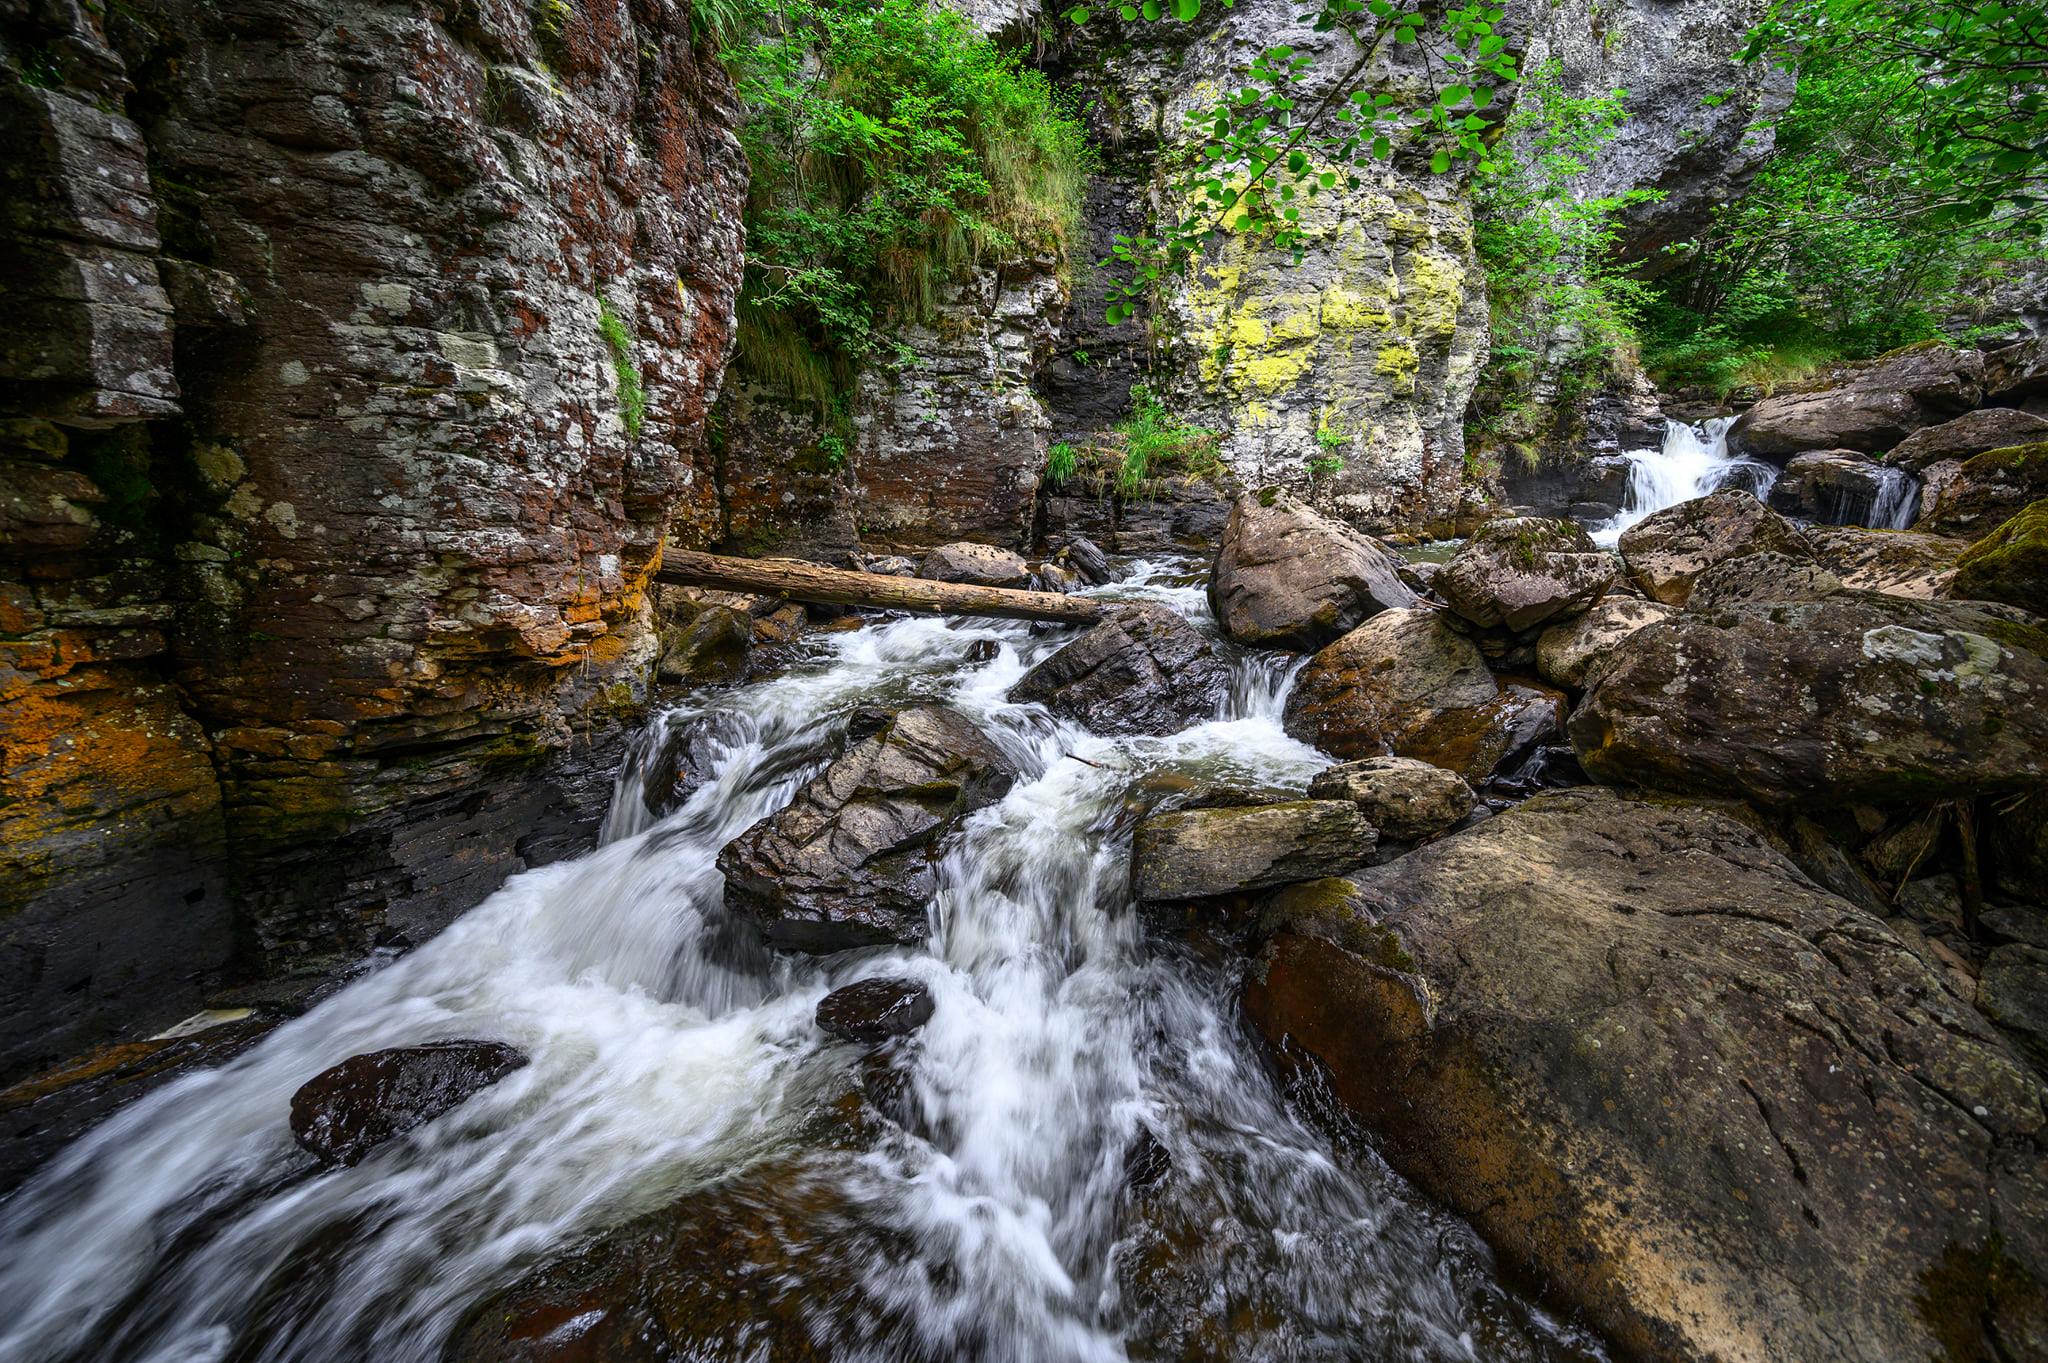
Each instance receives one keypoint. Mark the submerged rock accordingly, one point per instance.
(977, 565)
(872, 1011)
(1403, 798)
(1667, 551)
(1199, 853)
(1144, 669)
(1868, 407)
(1289, 578)
(1567, 654)
(1519, 573)
(345, 1112)
(1992, 428)
(852, 860)
(1715, 1110)
(2010, 564)
(1988, 490)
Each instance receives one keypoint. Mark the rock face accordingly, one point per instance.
(852, 860)
(1287, 577)
(1869, 407)
(1199, 853)
(1992, 428)
(1521, 572)
(1842, 487)
(1401, 797)
(1853, 697)
(344, 1113)
(1665, 552)
(334, 577)
(873, 1011)
(1988, 490)
(1527, 1014)
(2010, 564)
(1567, 654)
(1143, 670)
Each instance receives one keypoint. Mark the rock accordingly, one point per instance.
(1567, 654)
(1289, 578)
(713, 647)
(891, 565)
(977, 565)
(2010, 564)
(1896, 562)
(852, 860)
(1715, 1111)
(1992, 428)
(345, 1112)
(1761, 577)
(1857, 696)
(1666, 551)
(1144, 669)
(2013, 992)
(1869, 407)
(1842, 487)
(2016, 844)
(873, 1011)
(1987, 490)
(1407, 684)
(781, 625)
(1401, 797)
(1200, 853)
(1521, 572)
(1083, 555)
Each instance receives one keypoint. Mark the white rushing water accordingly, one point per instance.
(190, 1228)
(1692, 462)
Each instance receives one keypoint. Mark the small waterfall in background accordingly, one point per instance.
(1693, 462)
(1897, 502)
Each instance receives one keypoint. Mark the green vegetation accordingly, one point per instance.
(625, 374)
(1130, 459)
(1060, 462)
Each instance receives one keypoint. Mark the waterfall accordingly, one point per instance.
(1693, 462)
(1897, 502)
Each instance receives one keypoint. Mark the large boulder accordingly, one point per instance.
(1666, 551)
(1286, 577)
(1761, 577)
(1523, 571)
(1405, 683)
(1144, 669)
(977, 565)
(1842, 487)
(852, 861)
(1854, 697)
(1868, 407)
(1200, 853)
(1988, 490)
(1992, 428)
(1897, 562)
(345, 1112)
(2010, 564)
(1717, 1111)
(1403, 798)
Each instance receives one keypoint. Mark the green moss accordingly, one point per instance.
(625, 374)
(2010, 564)
(2031, 459)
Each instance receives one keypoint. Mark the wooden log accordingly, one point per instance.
(793, 580)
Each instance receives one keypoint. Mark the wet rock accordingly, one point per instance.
(1521, 572)
(1988, 490)
(781, 625)
(1857, 696)
(1526, 1014)
(1083, 555)
(712, 647)
(344, 1113)
(1567, 654)
(1403, 798)
(977, 565)
(852, 860)
(1289, 578)
(1665, 552)
(1991, 428)
(1868, 407)
(1761, 577)
(984, 651)
(2010, 564)
(2013, 992)
(873, 1011)
(1407, 684)
(1200, 853)
(1143, 669)
(1896, 562)
(1842, 487)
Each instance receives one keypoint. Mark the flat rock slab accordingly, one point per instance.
(1201, 853)
(1402, 797)
(1521, 572)
(345, 1112)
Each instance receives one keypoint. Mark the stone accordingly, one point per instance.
(2013, 992)
(1988, 490)
(2010, 564)
(2016, 847)
(1522, 572)
(1868, 407)
(1842, 487)
(713, 647)
(852, 861)
(1085, 557)
(1761, 577)
(1667, 551)
(1144, 669)
(1403, 798)
(1896, 562)
(1990, 428)
(1287, 577)
(873, 1011)
(1568, 653)
(1714, 1111)
(1854, 697)
(344, 1113)
(1404, 683)
(977, 565)
(1201, 853)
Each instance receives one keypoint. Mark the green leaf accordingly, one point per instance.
(1440, 162)
(1078, 15)
(1186, 10)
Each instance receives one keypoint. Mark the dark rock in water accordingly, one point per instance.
(873, 1011)
(1666, 551)
(978, 565)
(2010, 564)
(1761, 577)
(1519, 573)
(852, 860)
(1842, 487)
(1201, 853)
(1857, 696)
(1869, 407)
(1992, 428)
(984, 651)
(1567, 654)
(1713, 1109)
(1287, 577)
(713, 647)
(1405, 799)
(1085, 558)
(1986, 491)
(344, 1113)
(1143, 669)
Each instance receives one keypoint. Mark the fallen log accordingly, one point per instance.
(793, 580)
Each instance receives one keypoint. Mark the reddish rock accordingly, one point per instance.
(345, 1112)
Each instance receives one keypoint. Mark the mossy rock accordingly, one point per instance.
(2010, 564)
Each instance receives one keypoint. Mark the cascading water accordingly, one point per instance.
(190, 1228)
(1693, 462)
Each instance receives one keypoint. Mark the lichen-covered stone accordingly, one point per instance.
(712, 647)
(1990, 428)
(1287, 577)
(2010, 564)
(1519, 573)
(1667, 551)
(979, 565)
(1403, 798)
(1200, 853)
(1761, 577)
(1868, 406)
(1987, 490)
(1896, 562)
(1567, 654)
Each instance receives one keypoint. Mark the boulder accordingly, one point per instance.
(1201, 853)
(1523, 571)
(1854, 697)
(2010, 564)
(1868, 407)
(1761, 577)
(1286, 577)
(2016, 375)
(1666, 551)
(1715, 1110)
(852, 860)
(345, 1112)
(1896, 562)
(1086, 558)
(1992, 428)
(1988, 490)
(1144, 669)
(1567, 653)
(1842, 487)
(1403, 798)
(712, 647)
(1407, 684)
(977, 565)
(872, 1011)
